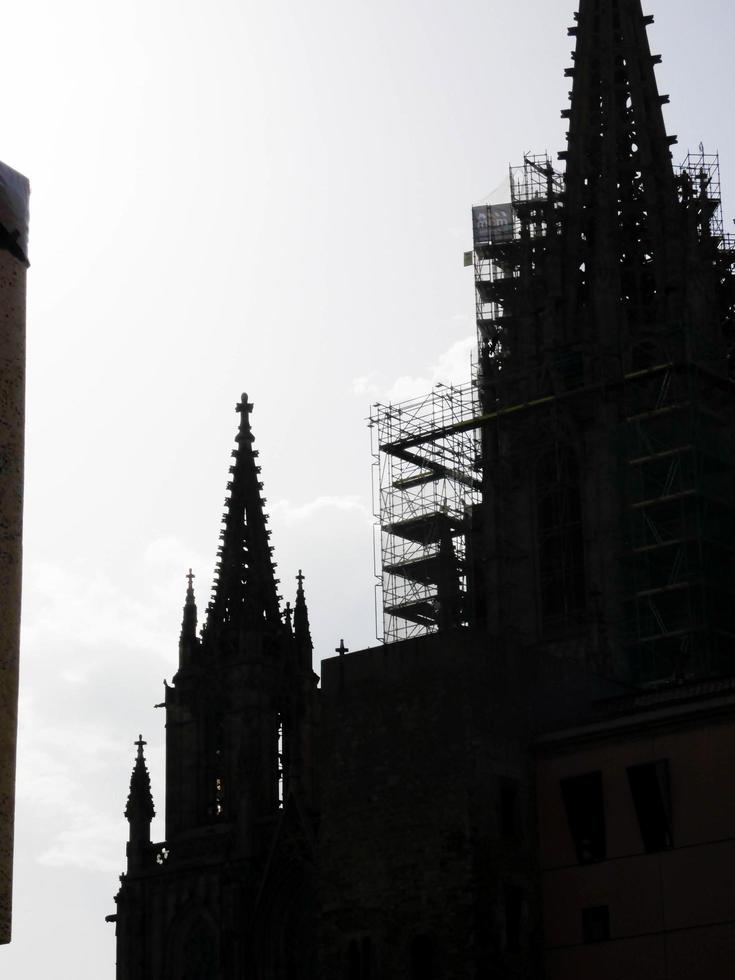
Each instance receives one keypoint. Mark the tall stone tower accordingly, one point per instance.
(228, 894)
(597, 555)
(14, 193)
(605, 314)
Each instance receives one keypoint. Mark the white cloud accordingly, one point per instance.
(93, 651)
(291, 514)
(168, 552)
(65, 605)
(87, 612)
(91, 841)
(61, 790)
(451, 367)
(366, 387)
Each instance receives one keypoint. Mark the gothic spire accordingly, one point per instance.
(245, 595)
(139, 810)
(302, 633)
(621, 202)
(188, 637)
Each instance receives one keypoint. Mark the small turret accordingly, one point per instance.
(302, 633)
(139, 810)
(188, 639)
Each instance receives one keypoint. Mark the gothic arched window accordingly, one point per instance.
(560, 537)
(193, 952)
(199, 960)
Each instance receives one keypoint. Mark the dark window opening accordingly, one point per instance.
(353, 960)
(650, 789)
(422, 958)
(360, 959)
(596, 924)
(561, 542)
(585, 806)
(510, 811)
(513, 917)
(367, 958)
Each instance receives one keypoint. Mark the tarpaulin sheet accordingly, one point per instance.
(14, 197)
(492, 223)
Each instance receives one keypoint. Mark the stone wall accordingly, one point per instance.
(417, 740)
(12, 400)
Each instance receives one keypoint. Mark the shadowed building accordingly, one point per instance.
(557, 545)
(230, 892)
(636, 846)
(14, 193)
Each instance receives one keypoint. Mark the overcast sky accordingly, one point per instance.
(239, 196)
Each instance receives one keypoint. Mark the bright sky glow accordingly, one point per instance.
(226, 197)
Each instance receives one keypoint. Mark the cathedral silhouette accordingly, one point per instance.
(531, 777)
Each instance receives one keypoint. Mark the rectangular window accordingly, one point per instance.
(585, 806)
(360, 959)
(510, 811)
(353, 960)
(596, 924)
(513, 917)
(422, 958)
(650, 789)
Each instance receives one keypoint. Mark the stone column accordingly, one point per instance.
(13, 262)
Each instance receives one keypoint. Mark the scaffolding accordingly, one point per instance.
(699, 181)
(426, 481)
(679, 468)
(679, 465)
(536, 192)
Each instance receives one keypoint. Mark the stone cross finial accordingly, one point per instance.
(341, 649)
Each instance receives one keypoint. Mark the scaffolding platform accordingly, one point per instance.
(426, 529)
(427, 481)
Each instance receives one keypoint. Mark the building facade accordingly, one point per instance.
(557, 536)
(636, 847)
(14, 194)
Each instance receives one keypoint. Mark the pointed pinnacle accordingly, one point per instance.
(139, 806)
(189, 621)
(302, 632)
(244, 592)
